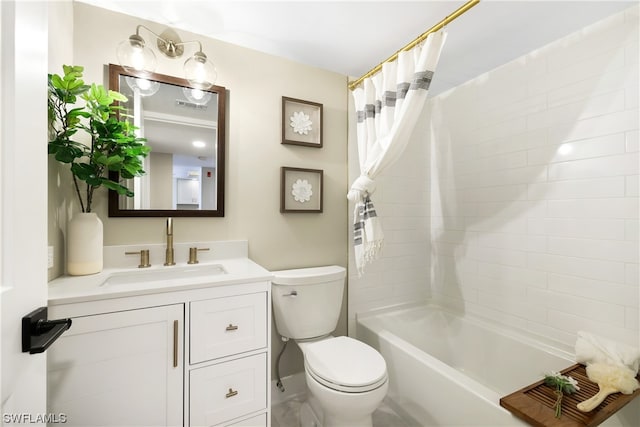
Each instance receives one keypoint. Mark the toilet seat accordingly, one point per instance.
(345, 364)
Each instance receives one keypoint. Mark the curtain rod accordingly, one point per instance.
(462, 9)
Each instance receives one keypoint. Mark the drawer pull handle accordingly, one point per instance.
(231, 327)
(291, 294)
(231, 393)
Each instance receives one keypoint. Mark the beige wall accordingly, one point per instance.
(256, 83)
(161, 192)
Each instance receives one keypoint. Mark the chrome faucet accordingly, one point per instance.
(168, 259)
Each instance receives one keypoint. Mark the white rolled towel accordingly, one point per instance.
(591, 348)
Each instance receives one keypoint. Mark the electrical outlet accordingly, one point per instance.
(50, 257)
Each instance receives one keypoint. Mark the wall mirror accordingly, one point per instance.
(185, 128)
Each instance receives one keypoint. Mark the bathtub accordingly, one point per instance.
(448, 370)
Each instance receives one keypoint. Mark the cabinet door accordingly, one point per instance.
(123, 368)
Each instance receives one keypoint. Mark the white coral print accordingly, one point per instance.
(300, 123)
(301, 191)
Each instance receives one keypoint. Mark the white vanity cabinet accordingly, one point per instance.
(171, 354)
(120, 368)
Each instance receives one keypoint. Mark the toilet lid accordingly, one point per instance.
(345, 364)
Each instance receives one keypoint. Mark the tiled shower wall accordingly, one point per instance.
(522, 184)
(534, 188)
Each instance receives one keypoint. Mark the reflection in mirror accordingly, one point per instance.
(185, 129)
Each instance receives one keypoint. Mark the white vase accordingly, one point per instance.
(84, 244)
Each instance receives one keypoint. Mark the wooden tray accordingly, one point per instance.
(534, 403)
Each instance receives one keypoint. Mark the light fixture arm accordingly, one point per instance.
(169, 42)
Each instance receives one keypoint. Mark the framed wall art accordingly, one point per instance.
(301, 190)
(301, 122)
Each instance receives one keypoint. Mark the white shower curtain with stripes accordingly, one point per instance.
(388, 106)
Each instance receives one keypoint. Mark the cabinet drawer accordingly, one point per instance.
(221, 392)
(227, 326)
(257, 421)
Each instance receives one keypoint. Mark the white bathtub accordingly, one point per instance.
(447, 370)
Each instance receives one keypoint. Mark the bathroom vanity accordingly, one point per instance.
(180, 345)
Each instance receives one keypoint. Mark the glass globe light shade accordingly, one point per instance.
(133, 55)
(142, 86)
(196, 96)
(200, 72)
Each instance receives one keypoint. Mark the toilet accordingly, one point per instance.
(346, 378)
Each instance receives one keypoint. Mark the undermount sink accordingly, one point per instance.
(164, 274)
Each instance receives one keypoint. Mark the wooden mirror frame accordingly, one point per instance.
(115, 71)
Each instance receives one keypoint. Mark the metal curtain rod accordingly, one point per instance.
(462, 9)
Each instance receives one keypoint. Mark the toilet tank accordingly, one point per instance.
(307, 301)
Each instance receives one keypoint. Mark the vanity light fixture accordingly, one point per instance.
(199, 144)
(133, 54)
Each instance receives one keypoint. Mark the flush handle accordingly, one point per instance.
(231, 393)
(231, 327)
(291, 294)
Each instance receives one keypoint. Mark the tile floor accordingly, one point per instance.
(286, 414)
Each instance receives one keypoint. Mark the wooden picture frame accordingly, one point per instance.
(301, 190)
(301, 122)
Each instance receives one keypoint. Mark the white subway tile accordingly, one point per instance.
(513, 209)
(593, 127)
(562, 338)
(622, 164)
(579, 90)
(632, 321)
(501, 287)
(500, 316)
(632, 274)
(587, 228)
(631, 95)
(614, 293)
(514, 306)
(508, 257)
(632, 141)
(511, 143)
(578, 189)
(494, 194)
(501, 130)
(612, 250)
(597, 105)
(632, 230)
(632, 185)
(498, 224)
(587, 148)
(631, 53)
(590, 309)
(521, 242)
(594, 208)
(572, 323)
(581, 267)
(513, 110)
(508, 274)
(561, 75)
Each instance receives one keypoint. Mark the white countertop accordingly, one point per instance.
(238, 269)
(72, 289)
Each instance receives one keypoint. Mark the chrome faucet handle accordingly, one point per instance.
(193, 255)
(144, 257)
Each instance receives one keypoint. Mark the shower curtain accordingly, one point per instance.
(387, 108)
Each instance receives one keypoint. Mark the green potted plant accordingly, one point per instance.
(94, 140)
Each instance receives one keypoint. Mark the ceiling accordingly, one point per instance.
(351, 37)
